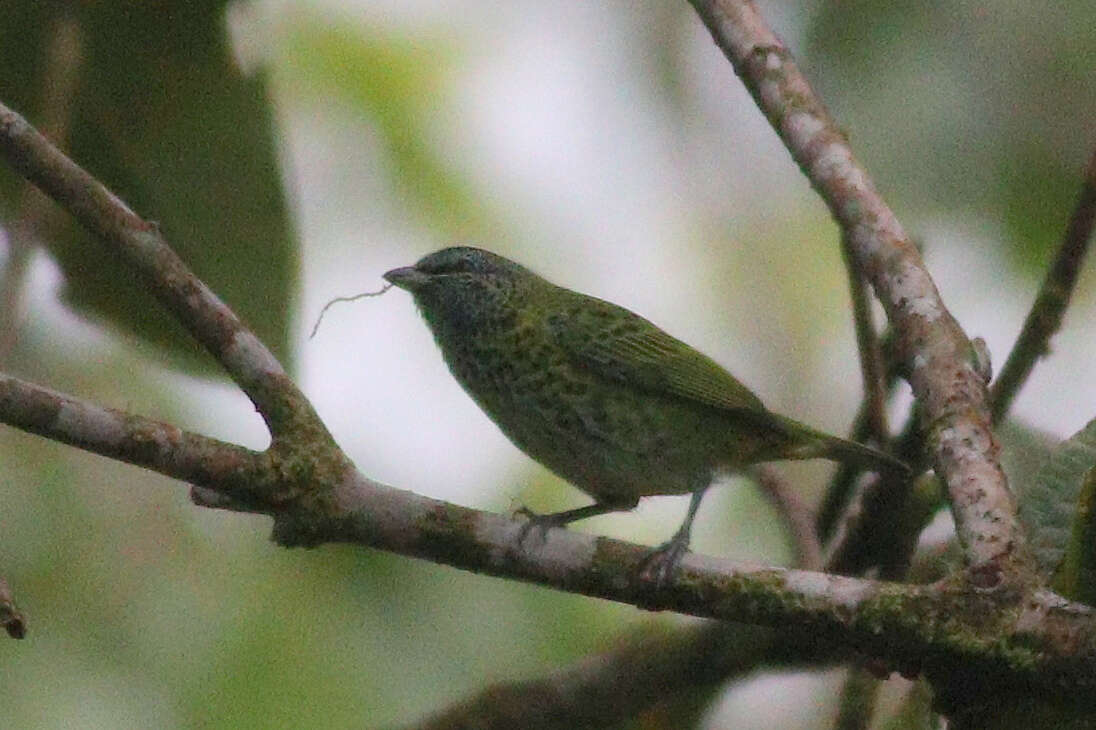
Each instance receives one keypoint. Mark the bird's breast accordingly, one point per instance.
(607, 438)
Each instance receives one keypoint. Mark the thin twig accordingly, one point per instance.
(841, 487)
(881, 526)
(872, 369)
(941, 370)
(795, 514)
(1045, 317)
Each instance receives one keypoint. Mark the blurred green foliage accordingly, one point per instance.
(394, 83)
(161, 114)
(963, 104)
(1056, 507)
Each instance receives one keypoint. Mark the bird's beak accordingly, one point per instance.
(406, 277)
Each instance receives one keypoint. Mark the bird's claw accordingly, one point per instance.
(534, 521)
(660, 564)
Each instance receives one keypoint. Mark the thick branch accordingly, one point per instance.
(941, 362)
(898, 624)
(1045, 317)
(944, 629)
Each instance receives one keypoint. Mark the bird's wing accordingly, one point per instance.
(623, 346)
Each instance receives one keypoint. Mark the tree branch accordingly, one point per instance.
(872, 370)
(896, 623)
(840, 489)
(644, 671)
(1045, 317)
(798, 518)
(133, 439)
(139, 243)
(1038, 640)
(942, 366)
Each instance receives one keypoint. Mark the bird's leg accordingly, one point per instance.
(559, 519)
(661, 562)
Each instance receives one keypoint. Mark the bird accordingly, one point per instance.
(599, 395)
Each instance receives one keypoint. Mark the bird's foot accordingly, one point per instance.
(660, 564)
(543, 523)
(538, 522)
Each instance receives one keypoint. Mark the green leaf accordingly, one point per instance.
(162, 115)
(1076, 576)
(1049, 510)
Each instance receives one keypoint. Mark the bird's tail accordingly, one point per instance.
(842, 450)
(819, 445)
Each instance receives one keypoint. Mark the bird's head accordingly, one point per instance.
(464, 287)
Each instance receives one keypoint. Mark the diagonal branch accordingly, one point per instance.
(247, 360)
(840, 490)
(1045, 317)
(942, 364)
(796, 516)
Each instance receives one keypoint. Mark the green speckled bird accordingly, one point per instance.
(596, 393)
